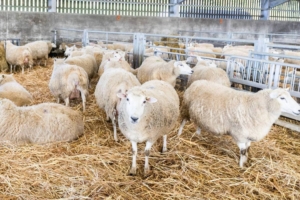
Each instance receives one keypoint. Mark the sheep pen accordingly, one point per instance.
(97, 167)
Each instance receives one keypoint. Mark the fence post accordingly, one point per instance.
(51, 5)
(85, 38)
(260, 45)
(139, 43)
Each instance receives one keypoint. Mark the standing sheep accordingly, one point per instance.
(214, 74)
(155, 68)
(12, 90)
(68, 82)
(109, 56)
(246, 116)
(40, 50)
(107, 88)
(18, 55)
(86, 61)
(146, 113)
(42, 123)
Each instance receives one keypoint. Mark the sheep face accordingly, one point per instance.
(69, 50)
(287, 103)
(183, 67)
(4, 78)
(135, 105)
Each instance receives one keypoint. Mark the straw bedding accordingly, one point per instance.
(96, 167)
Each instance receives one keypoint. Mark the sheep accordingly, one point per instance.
(39, 124)
(146, 113)
(18, 55)
(40, 50)
(3, 63)
(107, 88)
(155, 68)
(246, 116)
(290, 60)
(109, 56)
(68, 49)
(210, 73)
(12, 90)
(86, 61)
(68, 82)
(119, 64)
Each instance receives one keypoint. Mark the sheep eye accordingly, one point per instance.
(144, 101)
(127, 99)
(282, 98)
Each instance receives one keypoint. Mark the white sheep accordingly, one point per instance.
(209, 73)
(119, 64)
(87, 61)
(12, 90)
(18, 56)
(68, 82)
(155, 68)
(70, 49)
(110, 56)
(42, 123)
(40, 50)
(146, 113)
(246, 116)
(111, 82)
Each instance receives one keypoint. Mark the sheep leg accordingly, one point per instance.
(181, 126)
(58, 100)
(83, 98)
(198, 132)
(22, 69)
(11, 66)
(67, 101)
(114, 125)
(147, 154)
(243, 152)
(164, 149)
(134, 153)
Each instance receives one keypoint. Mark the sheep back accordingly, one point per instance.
(110, 83)
(216, 75)
(222, 110)
(42, 123)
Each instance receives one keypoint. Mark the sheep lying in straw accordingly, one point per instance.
(246, 116)
(107, 88)
(3, 63)
(68, 82)
(86, 61)
(18, 56)
(42, 123)
(40, 50)
(146, 113)
(155, 68)
(209, 73)
(12, 90)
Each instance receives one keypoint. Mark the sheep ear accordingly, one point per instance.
(121, 95)
(199, 58)
(151, 99)
(176, 63)
(274, 94)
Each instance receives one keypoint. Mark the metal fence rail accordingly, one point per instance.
(222, 9)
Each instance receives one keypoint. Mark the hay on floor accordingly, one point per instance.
(96, 167)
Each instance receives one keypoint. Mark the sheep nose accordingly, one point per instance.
(134, 119)
(192, 71)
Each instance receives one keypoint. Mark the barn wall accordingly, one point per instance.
(32, 26)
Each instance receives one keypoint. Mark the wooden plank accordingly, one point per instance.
(288, 125)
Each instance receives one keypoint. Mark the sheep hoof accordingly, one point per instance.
(146, 172)
(132, 171)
